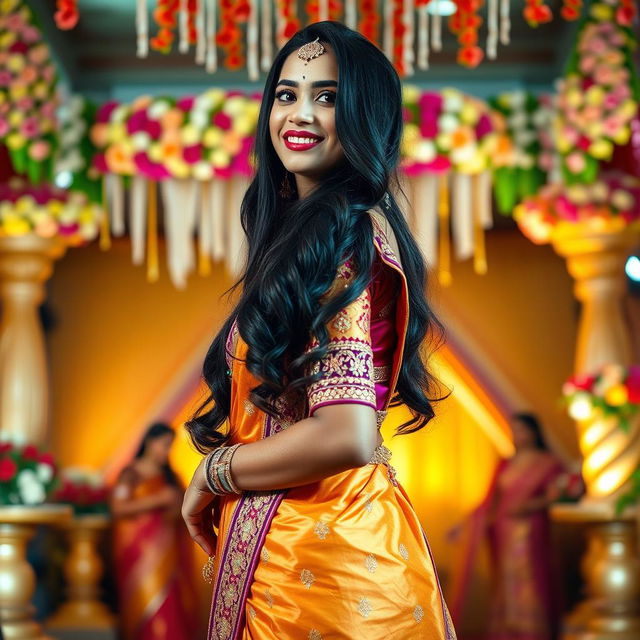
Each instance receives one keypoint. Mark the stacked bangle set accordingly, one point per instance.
(217, 468)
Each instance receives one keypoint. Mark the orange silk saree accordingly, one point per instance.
(345, 557)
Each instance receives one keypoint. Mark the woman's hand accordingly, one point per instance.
(197, 511)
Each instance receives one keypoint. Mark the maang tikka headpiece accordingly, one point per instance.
(311, 50)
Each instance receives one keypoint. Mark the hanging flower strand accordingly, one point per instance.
(465, 24)
(67, 14)
(165, 16)
(369, 20)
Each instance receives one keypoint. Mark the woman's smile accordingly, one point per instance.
(301, 140)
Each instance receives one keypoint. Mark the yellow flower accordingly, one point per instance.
(155, 152)
(469, 113)
(234, 106)
(220, 159)
(602, 12)
(243, 124)
(444, 141)
(15, 226)
(627, 109)
(7, 6)
(16, 62)
(55, 207)
(189, 135)
(594, 129)
(117, 132)
(178, 168)
(574, 97)
(616, 395)
(202, 171)
(595, 95)
(15, 141)
(212, 137)
(474, 165)
(216, 96)
(410, 93)
(15, 118)
(622, 135)
(601, 149)
(7, 39)
(17, 91)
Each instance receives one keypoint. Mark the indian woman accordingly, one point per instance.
(315, 536)
(151, 547)
(513, 519)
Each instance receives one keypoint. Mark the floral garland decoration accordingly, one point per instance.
(67, 14)
(47, 212)
(536, 12)
(28, 93)
(528, 121)
(450, 131)
(611, 202)
(166, 17)
(76, 149)
(614, 390)
(27, 475)
(229, 37)
(289, 19)
(465, 24)
(159, 138)
(369, 20)
(600, 95)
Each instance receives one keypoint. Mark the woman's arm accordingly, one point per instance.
(123, 504)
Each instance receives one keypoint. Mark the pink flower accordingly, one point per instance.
(588, 63)
(222, 120)
(5, 78)
(105, 111)
(99, 162)
(185, 104)
(14, 22)
(48, 110)
(29, 74)
(612, 125)
(19, 47)
(30, 127)
(225, 173)
(633, 384)
(576, 162)
(30, 34)
(192, 154)
(4, 127)
(566, 210)
(49, 73)
(428, 127)
(137, 122)
(604, 74)
(152, 170)
(484, 126)
(39, 54)
(39, 150)
(597, 46)
(153, 128)
(24, 104)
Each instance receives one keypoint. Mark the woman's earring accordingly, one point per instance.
(207, 570)
(285, 187)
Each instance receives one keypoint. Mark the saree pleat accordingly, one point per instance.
(345, 557)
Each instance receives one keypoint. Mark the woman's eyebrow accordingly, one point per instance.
(314, 85)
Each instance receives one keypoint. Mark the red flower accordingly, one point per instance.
(8, 469)
(470, 56)
(633, 384)
(537, 14)
(570, 13)
(30, 452)
(5, 446)
(583, 382)
(47, 458)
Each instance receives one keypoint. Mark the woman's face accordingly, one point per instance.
(523, 437)
(158, 448)
(303, 118)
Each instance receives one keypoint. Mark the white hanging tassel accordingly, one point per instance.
(436, 27)
(505, 23)
(142, 29)
(410, 27)
(217, 195)
(252, 42)
(423, 38)
(462, 207)
(267, 35)
(183, 23)
(484, 201)
(201, 35)
(350, 16)
(212, 50)
(116, 189)
(388, 29)
(323, 10)
(492, 29)
(425, 188)
(138, 217)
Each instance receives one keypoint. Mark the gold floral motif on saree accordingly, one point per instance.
(404, 552)
(264, 554)
(364, 607)
(314, 634)
(307, 578)
(371, 563)
(418, 613)
(249, 407)
(269, 598)
(321, 529)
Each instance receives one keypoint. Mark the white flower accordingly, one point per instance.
(202, 171)
(203, 102)
(199, 118)
(452, 100)
(464, 154)
(30, 488)
(234, 106)
(44, 473)
(524, 137)
(157, 109)
(425, 151)
(448, 123)
(141, 140)
(76, 105)
(517, 120)
(526, 160)
(517, 99)
(120, 113)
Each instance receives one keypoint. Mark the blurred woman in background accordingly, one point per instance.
(151, 544)
(513, 518)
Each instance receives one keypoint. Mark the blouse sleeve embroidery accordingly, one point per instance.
(347, 368)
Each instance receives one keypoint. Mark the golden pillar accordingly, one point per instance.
(26, 262)
(83, 570)
(17, 579)
(611, 567)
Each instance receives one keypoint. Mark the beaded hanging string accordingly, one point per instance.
(183, 25)
(253, 66)
(211, 56)
(142, 29)
(201, 34)
(350, 17)
(505, 23)
(492, 29)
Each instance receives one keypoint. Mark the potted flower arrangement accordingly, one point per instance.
(84, 490)
(27, 475)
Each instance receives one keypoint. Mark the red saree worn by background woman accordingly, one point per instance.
(522, 604)
(153, 566)
(345, 557)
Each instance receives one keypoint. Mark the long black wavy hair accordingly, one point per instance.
(158, 430)
(296, 246)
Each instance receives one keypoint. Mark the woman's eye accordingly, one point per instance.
(285, 95)
(329, 95)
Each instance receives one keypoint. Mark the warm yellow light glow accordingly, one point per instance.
(593, 433)
(608, 482)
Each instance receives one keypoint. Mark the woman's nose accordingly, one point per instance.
(303, 110)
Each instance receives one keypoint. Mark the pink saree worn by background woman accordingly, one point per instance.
(346, 557)
(153, 561)
(522, 604)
